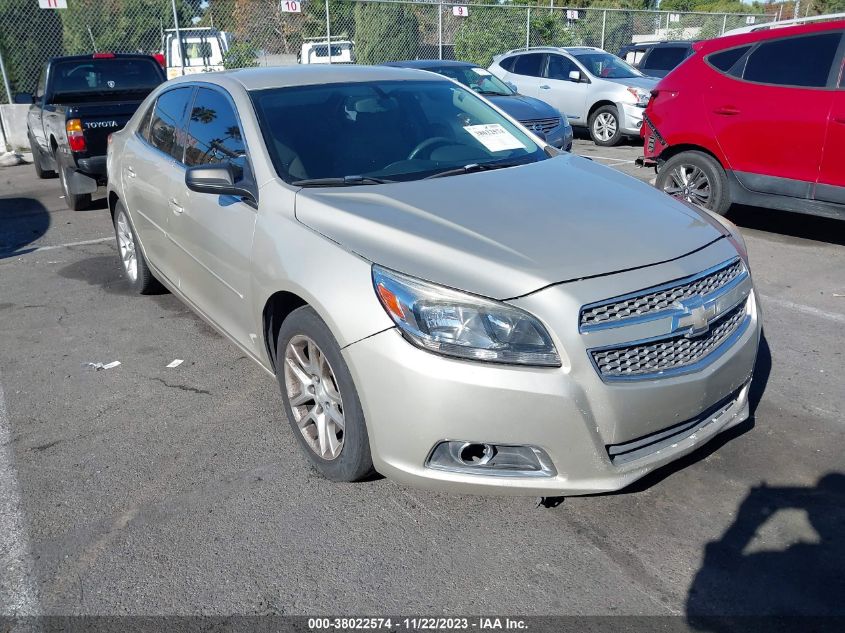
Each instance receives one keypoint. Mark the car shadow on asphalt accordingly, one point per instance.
(800, 225)
(22, 222)
(744, 584)
(759, 380)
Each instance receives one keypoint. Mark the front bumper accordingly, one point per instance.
(631, 118)
(413, 400)
(561, 137)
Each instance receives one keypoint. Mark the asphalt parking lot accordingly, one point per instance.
(143, 489)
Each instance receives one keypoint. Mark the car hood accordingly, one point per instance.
(524, 108)
(646, 83)
(509, 232)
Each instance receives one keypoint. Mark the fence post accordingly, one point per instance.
(724, 23)
(178, 37)
(440, 30)
(528, 28)
(603, 24)
(328, 32)
(5, 81)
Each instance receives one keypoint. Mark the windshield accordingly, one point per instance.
(392, 130)
(104, 79)
(482, 81)
(607, 66)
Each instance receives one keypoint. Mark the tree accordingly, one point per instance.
(29, 36)
(385, 32)
(488, 31)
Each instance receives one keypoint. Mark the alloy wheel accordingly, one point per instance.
(314, 396)
(604, 126)
(690, 183)
(126, 245)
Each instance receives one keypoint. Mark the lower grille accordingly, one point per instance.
(641, 360)
(542, 125)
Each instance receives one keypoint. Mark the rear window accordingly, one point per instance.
(666, 58)
(796, 61)
(104, 79)
(725, 60)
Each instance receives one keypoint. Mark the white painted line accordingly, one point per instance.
(17, 590)
(38, 249)
(803, 309)
(618, 160)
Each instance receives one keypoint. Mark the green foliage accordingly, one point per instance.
(486, 32)
(240, 55)
(29, 36)
(384, 32)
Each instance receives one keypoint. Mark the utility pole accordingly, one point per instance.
(178, 37)
(328, 32)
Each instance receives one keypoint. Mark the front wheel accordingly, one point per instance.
(320, 399)
(605, 129)
(134, 263)
(695, 177)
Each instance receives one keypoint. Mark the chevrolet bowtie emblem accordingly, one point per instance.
(694, 316)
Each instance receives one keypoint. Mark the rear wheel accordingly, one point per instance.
(605, 129)
(698, 178)
(36, 161)
(320, 399)
(76, 201)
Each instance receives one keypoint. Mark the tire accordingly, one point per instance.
(135, 267)
(76, 201)
(305, 349)
(36, 161)
(602, 122)
(695, 177)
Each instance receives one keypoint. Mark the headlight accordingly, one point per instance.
(640, 95)
(456, 324)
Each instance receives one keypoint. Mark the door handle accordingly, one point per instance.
(130, 173)
(545, 87)
(726, 110)
(175, 207)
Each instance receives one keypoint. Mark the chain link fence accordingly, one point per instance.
(279, 32)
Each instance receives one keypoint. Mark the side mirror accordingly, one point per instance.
(217, 179)
(575, 75)
(512, 86)
(24, 98)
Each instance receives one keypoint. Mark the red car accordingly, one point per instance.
(756, 118)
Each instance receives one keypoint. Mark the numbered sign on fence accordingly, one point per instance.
(52, 4)
(460, 12)
(750, 19)
(571, 14)
(674, 17)
(291, 6)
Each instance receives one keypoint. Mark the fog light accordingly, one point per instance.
(500, 460)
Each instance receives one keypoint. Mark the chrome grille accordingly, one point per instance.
(652, 300)
(545, 125)
(641, 359)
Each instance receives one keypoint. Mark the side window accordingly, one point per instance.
(214, 134)
(529, 65)
(507, 63)
(42, 84)
(665, 57)
(168, 116)
(795, 61)
(559, 67)
(725, 60)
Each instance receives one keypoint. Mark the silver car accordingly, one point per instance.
(442, 297)
(595, 89)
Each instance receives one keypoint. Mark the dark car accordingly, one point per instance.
(656, 59)
(80, 100)
(538, 116)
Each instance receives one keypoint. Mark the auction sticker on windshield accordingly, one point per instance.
(494, 137)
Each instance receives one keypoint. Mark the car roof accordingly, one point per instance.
(430, 63)
(306, 75)
(729, 41)
(104, 55)
(659, 43)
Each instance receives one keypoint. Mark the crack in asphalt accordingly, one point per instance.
(182, 387)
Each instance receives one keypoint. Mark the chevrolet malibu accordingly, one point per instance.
(442, 297)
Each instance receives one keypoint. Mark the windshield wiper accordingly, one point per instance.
(345, 181)
(472, 167)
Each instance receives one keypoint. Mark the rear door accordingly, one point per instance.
(215, 232)
(567, 95)
(769, 112)
(526, 73)
(152, 172)
(661, 59)
(831, 184)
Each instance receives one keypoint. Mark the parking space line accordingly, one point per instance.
(618, 160)
(51, 247)
(804, 309)
(17, 590)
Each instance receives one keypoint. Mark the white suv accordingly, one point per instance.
(593, 88)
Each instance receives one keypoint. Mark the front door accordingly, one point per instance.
(769, 113)
(831, 185)
(562, 91)
(215, 232)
